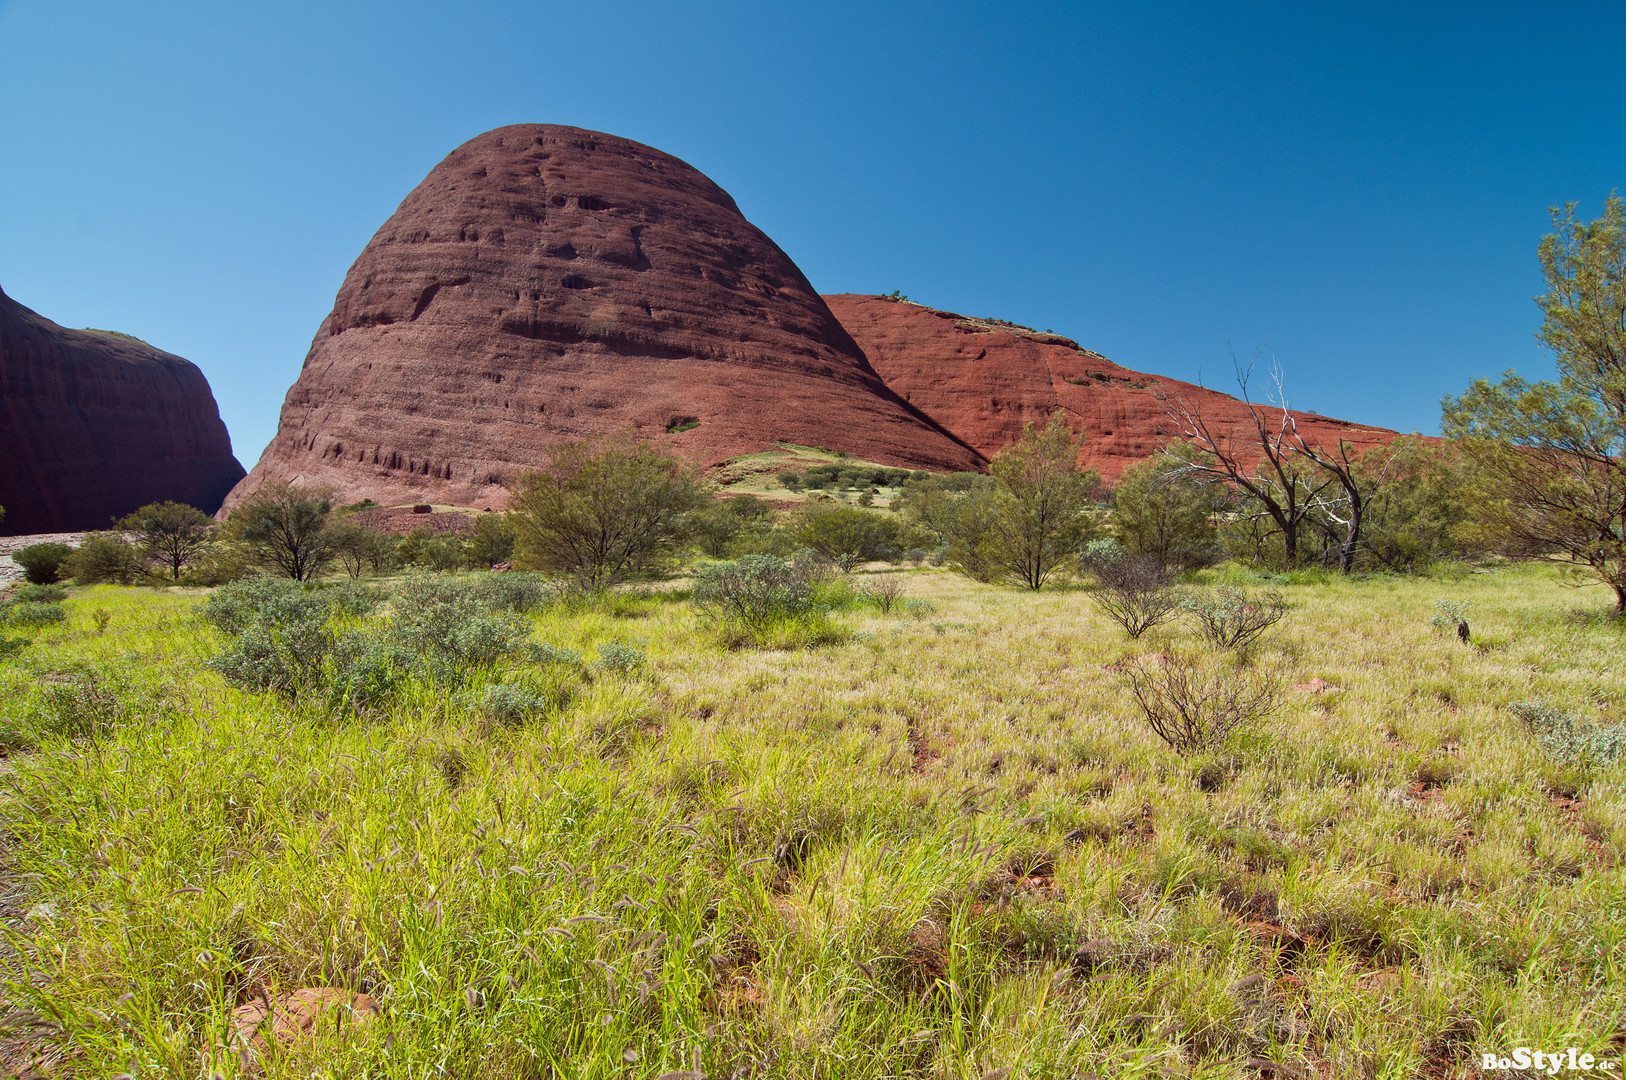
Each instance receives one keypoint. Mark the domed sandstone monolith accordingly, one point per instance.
(545, 283)
(94, 425)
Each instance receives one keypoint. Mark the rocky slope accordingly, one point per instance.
(982, 380)
(545, 283)
(94, 425)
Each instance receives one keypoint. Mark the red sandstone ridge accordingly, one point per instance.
(94, 425)
(982, 380)
(546, 283)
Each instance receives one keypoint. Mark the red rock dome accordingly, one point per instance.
(95, 424)
(546, 283)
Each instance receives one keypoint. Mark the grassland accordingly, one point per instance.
(945, 847)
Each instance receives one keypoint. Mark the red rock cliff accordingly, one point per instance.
(546, 283)
(983, 380)
(94, 425)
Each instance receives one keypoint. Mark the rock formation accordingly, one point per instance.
(546, 283)
(982, 380)
(95, 424)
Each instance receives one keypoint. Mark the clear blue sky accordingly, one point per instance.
(1357, 189)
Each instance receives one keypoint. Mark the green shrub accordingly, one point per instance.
(508, 703)
(42, 563)
(365, 668)
(542, 653)
(1568, 738)
(38, 594)
(518, 593)
(104, 557)
(444, 623)
(241, 603)
(754, 589)
(30, 613)
(619, 657)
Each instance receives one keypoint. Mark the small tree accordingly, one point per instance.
(605, 510)
(1552, 456)
(104, 556)
(355, 545)
(284, 526)
(493, 540)
(847, 535)
(171, 534)
(1044, 522)
(1159, 510)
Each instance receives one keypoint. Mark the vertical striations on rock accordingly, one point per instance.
(95, 424)
(546, 283)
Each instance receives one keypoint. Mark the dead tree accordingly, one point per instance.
(1259, 456)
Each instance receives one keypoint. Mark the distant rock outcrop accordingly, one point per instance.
(546, 283)
(982, 380)
(94, 424)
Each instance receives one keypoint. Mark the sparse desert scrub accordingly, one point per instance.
(946, 848)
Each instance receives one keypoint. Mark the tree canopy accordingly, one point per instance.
(1550, 454)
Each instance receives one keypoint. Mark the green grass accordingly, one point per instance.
(942, 847)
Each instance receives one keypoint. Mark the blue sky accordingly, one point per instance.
(1357, 190)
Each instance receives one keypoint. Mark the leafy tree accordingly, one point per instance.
(1159, 510)
(1421, 514)
(605, 510)
(1043, 520)
(847, 535)
(169, 533)
(357, 547)
(493, 540)
(718, 525)
(1552, 455)
(104, 556)
(284, 526)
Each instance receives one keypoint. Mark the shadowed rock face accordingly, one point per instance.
(982, 381)
(94, 425)
(546, 283)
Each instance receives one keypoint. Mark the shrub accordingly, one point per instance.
(30, 613)
(508, 703)
(445, 624)
(1137, 591)
(847, 535)
(1159, 510)
(365, 668)
(913, 607)
(518, 593)
(239, 604)
(618, 657)
(492, 542)
(543, 653)
(885, 592)
(755, 589)
(1232, 619)
(1100, 553)
(606, 510)
(1194, 706)
(280, 632)
(38, 594)
(103, 557)
(1568, 738)
(41, 563)
(1450, 614)
(359, 547)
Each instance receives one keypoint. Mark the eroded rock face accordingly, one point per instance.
(94, 425)
(546, 283)
(983, 380)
